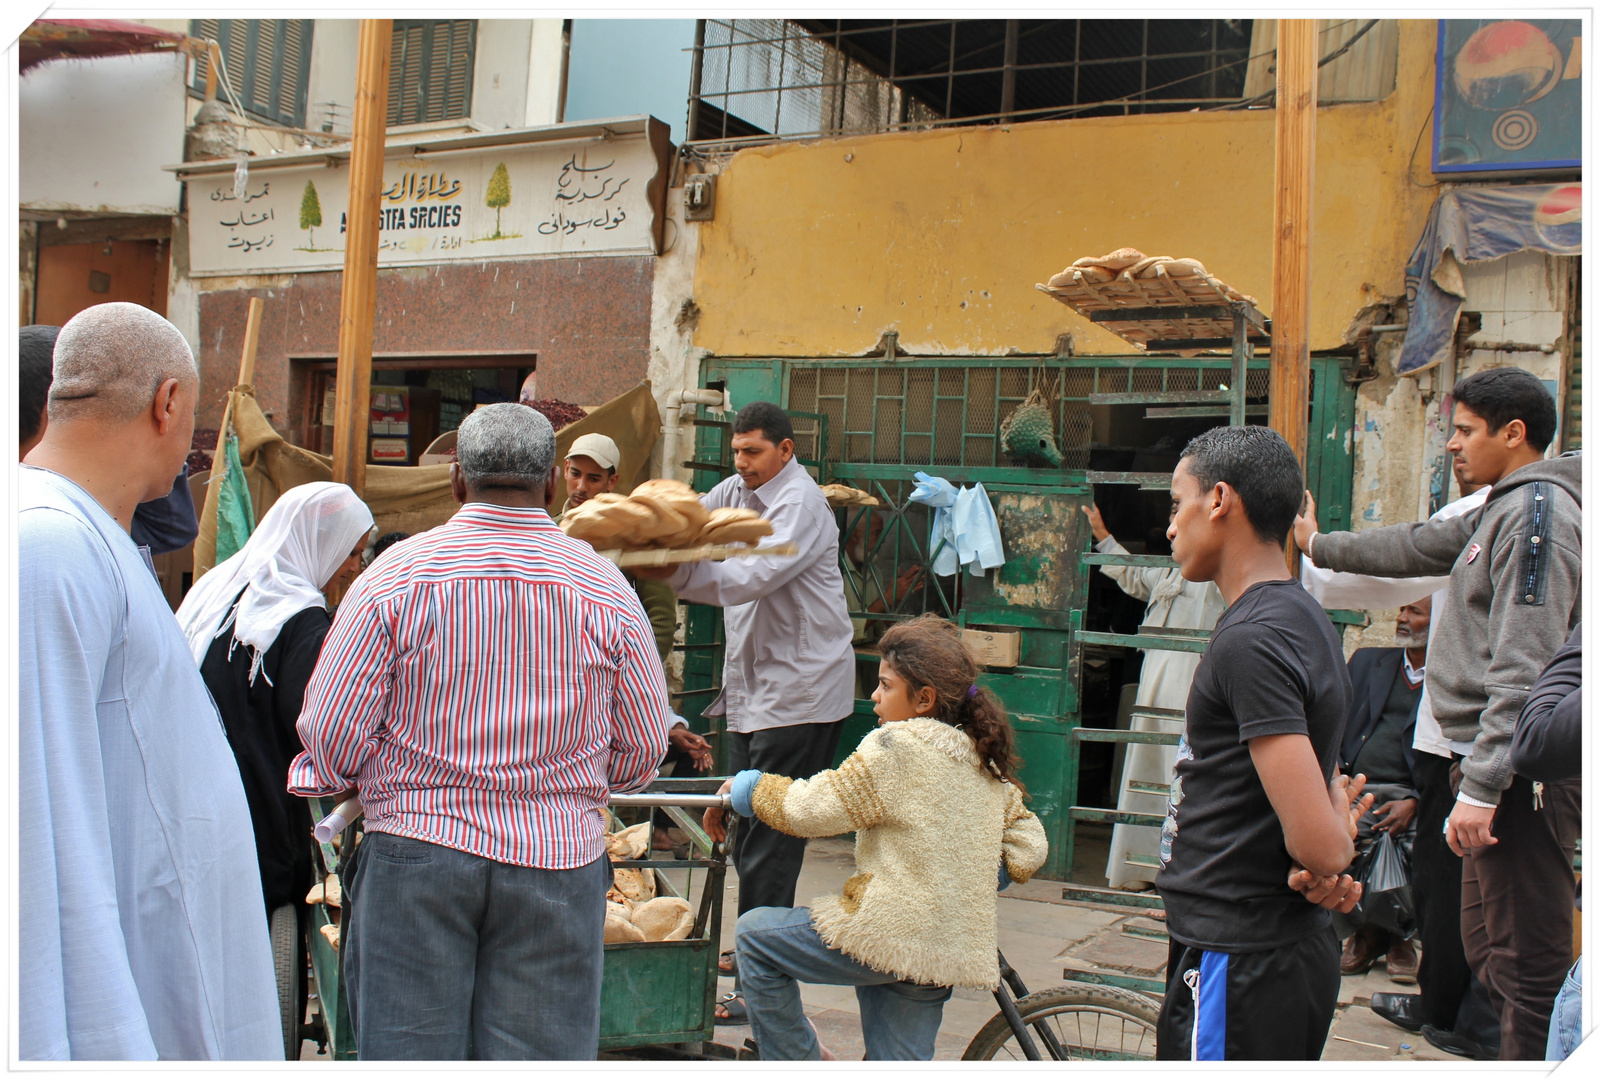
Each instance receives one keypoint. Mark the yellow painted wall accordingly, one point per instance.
(817, 249)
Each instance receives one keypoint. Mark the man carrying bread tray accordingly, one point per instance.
(788, 675)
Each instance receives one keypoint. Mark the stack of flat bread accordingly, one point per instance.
(661, 514)
(1131, 264)
(845, 495)
(633, 910)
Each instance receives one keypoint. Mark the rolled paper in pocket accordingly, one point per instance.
(334, 824)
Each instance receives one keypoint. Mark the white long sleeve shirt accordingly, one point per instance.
(789, 658)
(1361, 592)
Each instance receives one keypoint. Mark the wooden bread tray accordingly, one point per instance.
(703, 553)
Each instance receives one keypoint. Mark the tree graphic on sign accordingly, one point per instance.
(499, 194)
(310, 214)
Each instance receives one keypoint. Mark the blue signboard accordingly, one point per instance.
(1508, 96)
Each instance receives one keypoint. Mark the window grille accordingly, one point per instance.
(267, 61)
(951, 416)
(775, 78)
(431, 70)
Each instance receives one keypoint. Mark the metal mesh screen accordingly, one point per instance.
(951, 416)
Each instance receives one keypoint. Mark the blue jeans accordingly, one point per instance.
(778, 949)
(1565, 1018)
(450, 955)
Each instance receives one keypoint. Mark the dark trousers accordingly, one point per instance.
(1258, 1006)
(1517, 911)
(449, 955)
(768, 861)
(1443, 972)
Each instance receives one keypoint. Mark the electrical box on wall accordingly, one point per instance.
(1508, 97)
(700, 197)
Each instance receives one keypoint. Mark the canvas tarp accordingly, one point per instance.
(408, 499)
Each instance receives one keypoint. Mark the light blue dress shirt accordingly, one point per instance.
(143, 929)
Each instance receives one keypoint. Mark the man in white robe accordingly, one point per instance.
(1165, 678)
(142, 930)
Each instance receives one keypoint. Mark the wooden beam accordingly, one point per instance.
(212, 55)
(358, 294)
(205, 546)
(1295, 132)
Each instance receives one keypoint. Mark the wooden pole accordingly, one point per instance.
(1294, 138)
(1295, 135)
(358, 295)
(206, 541)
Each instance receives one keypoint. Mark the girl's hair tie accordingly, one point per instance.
(972, 692)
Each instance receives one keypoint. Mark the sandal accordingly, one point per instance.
(731, 1010)
(726, 965)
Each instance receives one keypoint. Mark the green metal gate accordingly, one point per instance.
(873, 423)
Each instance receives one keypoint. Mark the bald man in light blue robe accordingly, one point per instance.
(142, 931)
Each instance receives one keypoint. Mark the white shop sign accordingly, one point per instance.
(500, 202)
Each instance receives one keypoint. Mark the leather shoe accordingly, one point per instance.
(1402, 1010)
(1401, 964)
(1358, 954)
(1452, 1043)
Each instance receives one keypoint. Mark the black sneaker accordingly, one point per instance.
(1402, 1010)
(1452, 1043)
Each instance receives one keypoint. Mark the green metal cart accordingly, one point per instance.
(653, 994)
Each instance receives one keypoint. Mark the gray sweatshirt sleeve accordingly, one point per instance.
(1409, 550)
(1523, 638)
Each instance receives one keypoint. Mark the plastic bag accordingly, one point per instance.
(1384, 870)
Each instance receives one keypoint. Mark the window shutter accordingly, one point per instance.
(430, 70)
(267, 61)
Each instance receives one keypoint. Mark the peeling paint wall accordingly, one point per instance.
(1520, 302)
(940, 235)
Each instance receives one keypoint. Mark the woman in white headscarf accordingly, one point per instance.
(1165, 678)
(256, 623)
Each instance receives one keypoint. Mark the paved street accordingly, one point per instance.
(1039, 933)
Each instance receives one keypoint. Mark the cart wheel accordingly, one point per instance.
(1089, 1023)
(289, 965)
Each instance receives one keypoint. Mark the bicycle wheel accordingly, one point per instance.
(289, 965)
(1091, 1023)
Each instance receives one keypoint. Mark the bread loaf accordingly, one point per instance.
(630, 843)
(1146, 267)
(621, 911)
(637, 885)
(666, 918)
(618, 930)
(734, 525)
(331, 932)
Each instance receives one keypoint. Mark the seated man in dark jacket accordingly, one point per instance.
(1386, 685)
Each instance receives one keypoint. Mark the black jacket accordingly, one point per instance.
(1547, 744)
(1373, 673)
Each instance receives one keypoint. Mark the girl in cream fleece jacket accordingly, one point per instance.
(936, 813)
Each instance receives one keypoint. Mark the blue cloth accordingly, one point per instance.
(964, 531)
(978, 533)
(1211, 1007)
(168, 523)
(449, 954)
(938, 493)
(143, 932)
(777, 949)
(744, 787)
(1476, 224)
(1566, 1021)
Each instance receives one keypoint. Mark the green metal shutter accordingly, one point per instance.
(267, 62)
(431, 70)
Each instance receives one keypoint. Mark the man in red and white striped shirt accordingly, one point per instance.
(486, 685)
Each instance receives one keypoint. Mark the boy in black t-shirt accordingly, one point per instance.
(1258, 823)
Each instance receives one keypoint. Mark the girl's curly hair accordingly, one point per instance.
(928, 651)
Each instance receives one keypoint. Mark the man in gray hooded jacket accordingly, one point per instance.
(1513, 598)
